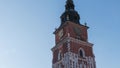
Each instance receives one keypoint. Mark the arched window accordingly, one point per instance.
(81, 53)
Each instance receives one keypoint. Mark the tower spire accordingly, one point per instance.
(70, 14)
(69, 5)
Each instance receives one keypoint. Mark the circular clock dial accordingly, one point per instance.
(77, 30)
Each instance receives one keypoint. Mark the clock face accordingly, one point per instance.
(77, 31)
(60, 34)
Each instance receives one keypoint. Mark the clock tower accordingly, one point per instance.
(72, 48)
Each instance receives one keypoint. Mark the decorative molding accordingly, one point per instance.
(70, 39)
(60, 43)
(80, 42)
(70, 60)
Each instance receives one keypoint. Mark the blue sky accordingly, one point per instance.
(27, 26)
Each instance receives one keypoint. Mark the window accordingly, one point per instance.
(81, 53)
(67, 17)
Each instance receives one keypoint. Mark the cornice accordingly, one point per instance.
(71, 39)
(81, 42)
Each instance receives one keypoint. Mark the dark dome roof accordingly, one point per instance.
(70, 14)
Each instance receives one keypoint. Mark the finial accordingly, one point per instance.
(85, 24)
(69, 5)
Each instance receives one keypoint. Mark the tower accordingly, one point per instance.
(72, 48)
